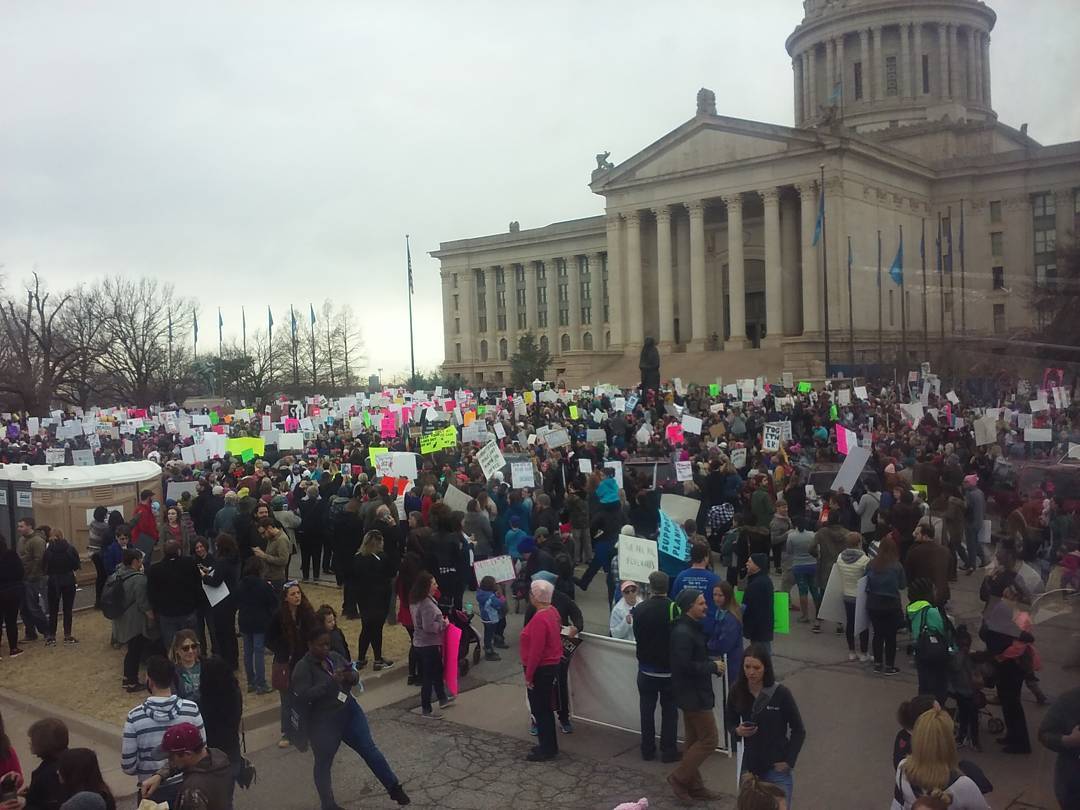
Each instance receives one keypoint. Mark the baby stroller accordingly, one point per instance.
(469, 638)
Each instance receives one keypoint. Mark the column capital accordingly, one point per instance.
(769, 196)
(806, 187)
(598, 256)
(695, 208)
(633, 218)
(733, 200)
(662, 213)
(942, 26)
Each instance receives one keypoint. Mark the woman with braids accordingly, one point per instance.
(287, 639)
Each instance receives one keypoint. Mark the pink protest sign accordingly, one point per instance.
(675, 434)
(388, 427)
(291, 425)
(450, 658)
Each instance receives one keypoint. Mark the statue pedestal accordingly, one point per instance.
(736, 344)
(695, 346)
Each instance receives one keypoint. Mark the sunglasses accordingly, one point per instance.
(289, 583)
(189, 647)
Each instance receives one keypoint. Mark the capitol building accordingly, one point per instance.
(710, 240)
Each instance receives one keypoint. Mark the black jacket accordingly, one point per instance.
(691, 669)
(60, 562)
(780, 734)
(371, 577)
(652, 632)
(175, 586)
(758, 608)
(256, 603)
(314, 689)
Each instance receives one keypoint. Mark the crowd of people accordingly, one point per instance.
(179, 578)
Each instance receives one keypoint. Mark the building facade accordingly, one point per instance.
(712, 239)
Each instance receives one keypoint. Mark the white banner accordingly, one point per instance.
(603, 687)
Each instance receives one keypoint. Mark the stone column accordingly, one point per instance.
(510, 274)
(699, 334)
(811, 55)
(635, 332)
(449, 336)
(986, 69)
(903, 67)
(811, 287)
(532, 322)
(916, 61)
(736, 272)
(681, 251)
(867, 84)
(830, 68)
(615, 281)
(878, 65)
(789, 260)
(774, 268)
(492, 313)
(665, 278)
(841, 71)
(469, 321)
(554, 330)
(573, 273)
(943, 60)
(954, 62)
(977, 70)
(797, 74)
(596, 301)
(969, 85)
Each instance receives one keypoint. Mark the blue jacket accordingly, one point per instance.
(492, 614)
(724, 637)
(111, 556)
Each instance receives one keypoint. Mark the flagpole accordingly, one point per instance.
(925, 325)
(903, 305)
(941, 279)
(412, 350)
(243, 328)
(851, 310)
(270, 356)
(825, 273)
(170, 357)
(314, 375)
(195, 324)
(880, 323)
(963, 297)
(221, 359)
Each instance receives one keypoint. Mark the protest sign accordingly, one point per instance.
(501, 568)
(617, 467)
(55, 455)
(684, 471)
(290, 441)
(557, 438)
(770, 437)
(1038, 435)
(176, 489)
(585, 465)
(82, 458)
(672, 540)
(457, 500)
(679, 507)
(490, 459)
(986, 430)
(849, 471)
(691, 424)
(738, 457)
(595, 436)
(522, 475)
(637, 558)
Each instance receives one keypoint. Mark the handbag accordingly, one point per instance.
(280, 675)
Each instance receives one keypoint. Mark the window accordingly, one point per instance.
(543, 343)
(498, 376)
(1045, 241)
(925, 74)
(892, 314)
(948, 301)
(521, 299)
(858, 81)
(586, 314)
(563, 267)
(541, 318)
(481, 325)
(541, 272)
(457, 351)
(564, 317)
(586, 341)
(457, 303)
(520, 273)
(995, 211)
(999, 319)
(500, 299)
(604, 292)
(607, 340)
(457, 326)
(483, 350)
(504, 348)
(480, 376)
(586, 290)
(541, 296)
(1046, 276)
(501, 318)
(891, 88)
(522, 319)
(500, 277)
(1043, 205)
(997, 244)
(453, 278)
(481, 280)
(565, 343)
(999, 277)
(564, 291)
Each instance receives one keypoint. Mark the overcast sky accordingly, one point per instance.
(278, 153)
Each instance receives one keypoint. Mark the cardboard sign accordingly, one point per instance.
(490, 459)
(771, 437)
(684, 471)
(585, 465)
(56, 455)
(679, 508)
(501, 568)
(82, 458)
(522, 475)
(691, 424)
(672, 540)
(557, 438)
(637, 558)
(738, 457)
(457, 500)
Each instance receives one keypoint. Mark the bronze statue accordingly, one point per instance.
(602, 162)
(649, 363)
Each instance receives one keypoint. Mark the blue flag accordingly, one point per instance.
(292, 317)
(834, 96)
(312, 309)
(820, 219)
(896, 271)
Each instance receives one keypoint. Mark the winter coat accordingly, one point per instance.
(691, 669)
(256, 602)
(826, 546)
(852, 565)
(133, 621)
(757, 608)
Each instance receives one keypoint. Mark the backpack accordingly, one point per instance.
(932, 646)
(113, 600)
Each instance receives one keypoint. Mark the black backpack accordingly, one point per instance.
(113, 598)
(932, 646)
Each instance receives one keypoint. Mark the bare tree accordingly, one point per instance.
(81, 323)
(352, 345)
(36, 357)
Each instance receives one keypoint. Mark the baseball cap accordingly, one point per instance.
(177, 738)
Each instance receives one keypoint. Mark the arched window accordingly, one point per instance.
(607, 340)
(483, 350)
(543, 343)
(565, 343)
(503, 349)
(586, 341)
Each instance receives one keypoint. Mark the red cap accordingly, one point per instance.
(181, 737)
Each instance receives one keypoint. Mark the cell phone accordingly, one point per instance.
(8, 789)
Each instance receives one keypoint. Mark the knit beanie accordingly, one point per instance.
(686, 598)
(761, 560)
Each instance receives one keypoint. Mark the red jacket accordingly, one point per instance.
(541, 642)
(146, 523)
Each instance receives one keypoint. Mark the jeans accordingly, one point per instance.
(254, 659)
(32, 610)
(782, 779)
(967, 718)
(171, 625)
(133, 657)
(101, 576)
(145, 543)
(540, 707)
(933, 680)
(564, 691)
(975, 550)
(702, 738)
(849, 628)
(885, 622)
(492, 631)
(60, 592)
(650, 690)
(582, 545)
(10, 601)
(602, 550)
(1010, 680)
(806, 580)
(357, 735)
(223, 632)
(430, 662)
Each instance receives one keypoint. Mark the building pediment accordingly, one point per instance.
(707, 143)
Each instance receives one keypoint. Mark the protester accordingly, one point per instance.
(929, 560)
(758, 622)
(207, 775)
(175, 589)
(372, 574)
(492, 606)
(851, 567)
(84, 786)
(803, 567)
(99, 535)
(826, 547)
(31, 549)
(692, 672)
(275, 552)
(1060, 732)
(49, 740)
(145, 531)
(285, 638)
(224, 571)
(697, 576)
(328, 619)
(723, 627)
(932, 636)
(621, 621)
(136, 625)
(757, 794)
(429, 626)
(932, 767)
(652, 620)
(323, 682)
(571, 618)
(541, 651)
(11, 596)
(884, 582)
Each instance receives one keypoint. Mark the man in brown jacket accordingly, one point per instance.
(928, 559)
(207, 775)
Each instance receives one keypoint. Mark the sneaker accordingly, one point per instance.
(491, 655)
(537, 755)
(501, 644)
(283, 742)
(16, 653)
(381, 664)
(852, 657)
(566, 728)
(50, 642)
(878, 668)
(434, 714)
(533, 730)
(890, 671)
(263, 690)
(816, 628)
(131, 688)
(361, 663)
(397, 793)
(70, 640)
(447, 704)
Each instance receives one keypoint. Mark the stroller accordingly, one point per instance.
(469, 638)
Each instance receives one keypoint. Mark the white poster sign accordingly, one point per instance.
(679, 508)
(490, 459)
(691, 424)
(501, 568)
(585, 465)
(522, 475)
(82, 458)
(849, 471)
(638, 558)
(684, 471)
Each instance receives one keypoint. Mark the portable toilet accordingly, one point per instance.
(66, 497)
(16, 498)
